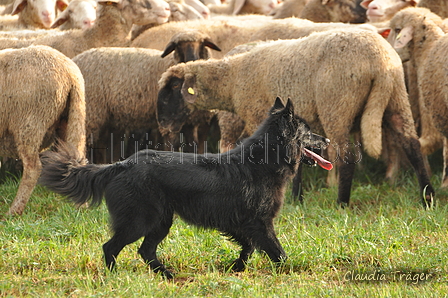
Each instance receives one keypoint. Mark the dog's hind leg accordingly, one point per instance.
(149, 246)
(113, 247)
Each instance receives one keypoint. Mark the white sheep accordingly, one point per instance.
(383, 10)
(179, 11)
(109, 72)
(37, 13)
(112, 26)
(200, 7)
(79, 14)
(313, 72)
(235, 7)
(39, 104)
(417, 37)
(288, 8)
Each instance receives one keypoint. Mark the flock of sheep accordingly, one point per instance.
(86, 70)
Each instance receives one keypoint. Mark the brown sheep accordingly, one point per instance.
(121, 84)
(439, 7)
(227, 34)
(313, 72)
(112, 26)
(418, 38)
(345, 11)
(288, 8)
(42, 98)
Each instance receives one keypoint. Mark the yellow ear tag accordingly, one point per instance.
(398, 36)
(191, 91)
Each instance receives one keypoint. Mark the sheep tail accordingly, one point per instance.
(76, 129)
(65, 173)
(372, 118)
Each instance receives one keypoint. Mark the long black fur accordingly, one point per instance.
(238, 193)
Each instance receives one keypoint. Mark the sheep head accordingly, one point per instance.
(411, 30)
(141, 12)
(42, 12)
(189, 45)
(384, 10)
(172, 113)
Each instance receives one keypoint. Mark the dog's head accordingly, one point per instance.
(298, 135)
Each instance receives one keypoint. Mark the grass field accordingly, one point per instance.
(384, 245)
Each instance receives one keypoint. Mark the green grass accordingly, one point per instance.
(54, 249)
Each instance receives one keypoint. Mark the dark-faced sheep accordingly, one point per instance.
(227, 34)
(332, 98)
(121, 83)
(42, 97)
(417, 37)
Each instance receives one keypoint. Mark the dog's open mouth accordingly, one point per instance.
(322, 162)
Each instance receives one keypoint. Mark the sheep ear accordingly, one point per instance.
(18, 6)
(211, 45)
(238, 5)
(189, 89)
(404, 37)
(364, 4)
(61, 5)
(169, 49)
(326, 2)
(61, 19)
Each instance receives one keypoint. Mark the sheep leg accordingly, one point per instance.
(393, 159)
(332, 177)
(412, 148)
(445, 163)
(31, 172)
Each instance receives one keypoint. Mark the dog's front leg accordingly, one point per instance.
(240, 264)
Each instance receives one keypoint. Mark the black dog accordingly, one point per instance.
(238, 193)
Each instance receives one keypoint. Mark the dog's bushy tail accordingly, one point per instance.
(65, 173)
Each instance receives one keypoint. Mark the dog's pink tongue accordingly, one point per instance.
(323, 163)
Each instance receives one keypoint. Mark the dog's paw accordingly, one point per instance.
(168, 274)
(238, 265)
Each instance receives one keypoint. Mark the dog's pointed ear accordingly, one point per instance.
(289, 107)
(189, 88)
(278, 105)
